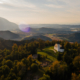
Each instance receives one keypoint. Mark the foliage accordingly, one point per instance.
(45, 77)
(34, 67)
(16, 61)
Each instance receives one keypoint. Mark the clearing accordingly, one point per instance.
(49, 52)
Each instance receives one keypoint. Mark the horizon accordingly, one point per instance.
(41, 12)
(38, 23)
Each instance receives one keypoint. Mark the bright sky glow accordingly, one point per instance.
(24, 28)
(41, 11)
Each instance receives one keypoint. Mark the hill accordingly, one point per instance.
(46, 30)
(1, 39)
(37, 37)
(74, 37)
(6, 25)
(8, 35)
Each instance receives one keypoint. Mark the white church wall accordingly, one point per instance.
(58, 48)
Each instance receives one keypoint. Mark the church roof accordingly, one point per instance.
(61, 47)
(56, 45)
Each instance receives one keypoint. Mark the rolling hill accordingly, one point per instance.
(74, 37)
(8, 35)
(37, 37)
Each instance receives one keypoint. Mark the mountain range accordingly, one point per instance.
(38, 31)
(7, 25)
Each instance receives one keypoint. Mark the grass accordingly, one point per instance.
(48, 51)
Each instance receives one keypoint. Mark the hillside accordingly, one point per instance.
(46, 30)
(49, 52)
(1, 39)
(74, 37)
(8, 35)
(71, 37)
(6, 25)
(37, 37)
(38, 60)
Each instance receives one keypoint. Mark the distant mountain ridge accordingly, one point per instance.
(37, 37)
(55, 25)
(8, 35)
(7, 25)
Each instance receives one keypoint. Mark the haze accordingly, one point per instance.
(41, 11)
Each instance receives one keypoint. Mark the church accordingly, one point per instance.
(59, 47)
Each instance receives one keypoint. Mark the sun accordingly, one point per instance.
(1, 1)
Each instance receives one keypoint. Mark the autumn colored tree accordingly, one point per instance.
(58, 71)
(76, 62)
(75, 77)
(45, 77)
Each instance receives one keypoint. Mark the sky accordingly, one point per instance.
(41, 11)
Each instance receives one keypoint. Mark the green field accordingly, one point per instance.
(49, 52)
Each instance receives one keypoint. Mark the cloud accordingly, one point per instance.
(40, 11)
(53, 6)
(17, 4)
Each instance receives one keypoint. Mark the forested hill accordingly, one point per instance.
(37, 37)
(38, 60)
(74, 37)
(9, 43)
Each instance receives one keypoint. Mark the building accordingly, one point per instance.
(59, 47)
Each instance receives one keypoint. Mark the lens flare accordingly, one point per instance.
(24, 28)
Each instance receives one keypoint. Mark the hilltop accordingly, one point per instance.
(7, 25)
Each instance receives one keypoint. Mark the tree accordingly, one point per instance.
(67, 58)
(45, 77)
(67, 46)
(9, 63)
(18, 78)
(75, 77)
(34, 67)
(58, 70)
(5, 70)
(2, 77)
(15, 47)
(59, 57)
(76, 62)
(41, 44)
(29, 58)
(11, 76)
(21, 69)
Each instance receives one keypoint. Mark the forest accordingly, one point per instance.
(17, 62)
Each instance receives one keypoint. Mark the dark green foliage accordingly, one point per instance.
(45, 77)
(16, 60)
(34, 67)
